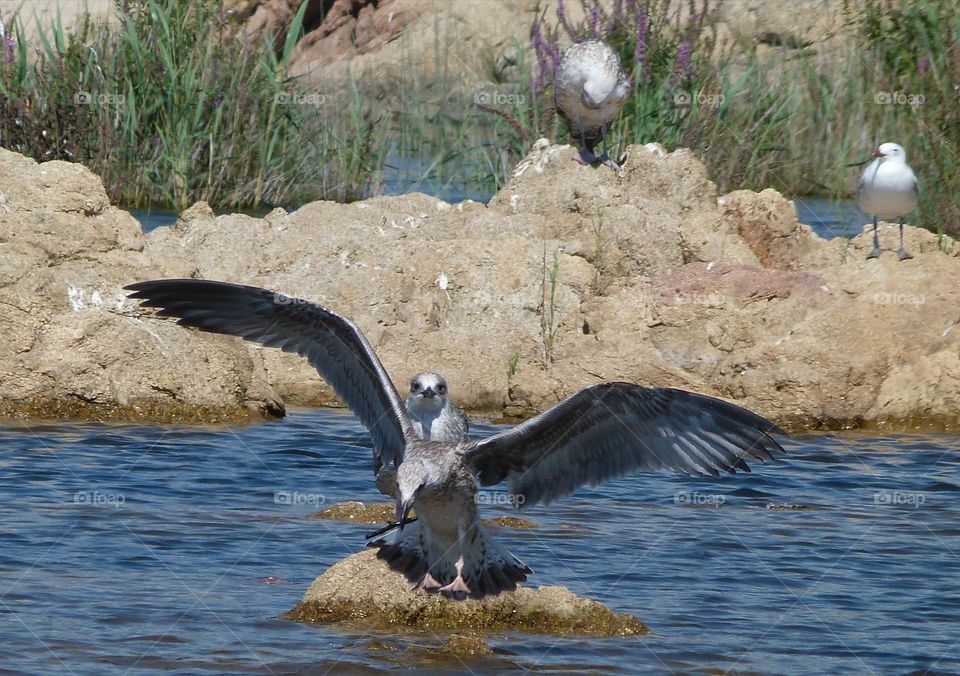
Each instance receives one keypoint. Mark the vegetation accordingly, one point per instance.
(795, 123)
(169, 108)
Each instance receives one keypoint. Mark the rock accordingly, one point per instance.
(361, 591)
(570, 276)
(466, 644)
(358, 512)
(923, 395)
(510, 522)
(74, 346)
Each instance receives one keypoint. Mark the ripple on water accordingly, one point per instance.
(151, 545)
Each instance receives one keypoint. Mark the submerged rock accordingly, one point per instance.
(381, 513)
(510, 522)
(362, 591)
(358, 512)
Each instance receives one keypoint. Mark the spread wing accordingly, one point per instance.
(611, 429)
(331, 343)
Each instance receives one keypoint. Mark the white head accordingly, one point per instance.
(428, 393)
(890, 152)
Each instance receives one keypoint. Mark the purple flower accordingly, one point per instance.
(923, 65)
(9, 47)
(684, 70)
(548, 58)
(640, 50)
(562, 18)
(595, 20)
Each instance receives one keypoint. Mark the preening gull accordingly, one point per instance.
(888, 189)
(602, 432)
(590, 89)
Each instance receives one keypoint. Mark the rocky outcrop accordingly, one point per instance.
(362, 592)
(73, 346)
(571, 275)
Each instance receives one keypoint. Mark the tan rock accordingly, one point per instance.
(362, 591)
(572, 275)
(73, 346)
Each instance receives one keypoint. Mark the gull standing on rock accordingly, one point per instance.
(602, 432)
(590, 89)
(888, 189)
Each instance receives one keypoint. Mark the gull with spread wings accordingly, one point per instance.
(602, 432)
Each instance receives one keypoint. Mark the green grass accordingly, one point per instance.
(169, 108)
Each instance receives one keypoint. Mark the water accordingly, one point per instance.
(403, 174)
(139, 548)
(831, 218)
(151, 219)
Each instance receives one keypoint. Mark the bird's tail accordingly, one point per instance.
(434, 563)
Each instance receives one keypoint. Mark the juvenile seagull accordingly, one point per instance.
(590, 89)
(432, 413)
(888, 189)
(434, 417)
(599, 433)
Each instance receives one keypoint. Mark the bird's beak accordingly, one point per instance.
(428, 393)
(877, 153)
(403, 510)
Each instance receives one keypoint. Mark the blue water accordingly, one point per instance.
(138, 548)
(831, 218)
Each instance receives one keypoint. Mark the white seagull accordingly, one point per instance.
(888, 189)
(602, 432)
(590, 89)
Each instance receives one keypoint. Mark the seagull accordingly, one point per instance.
(602, 432)
(888, 189)
(590, 89)
(432, 413)
(434, 417)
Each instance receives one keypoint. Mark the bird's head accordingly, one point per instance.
(890, 151)
(428, 392)
(411, 479)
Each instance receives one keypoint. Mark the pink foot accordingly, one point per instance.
(458, 589)
(429, 584)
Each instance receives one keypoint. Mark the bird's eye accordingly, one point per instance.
(441, 388)
(414, 386)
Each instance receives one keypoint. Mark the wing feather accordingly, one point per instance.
(332, 344)
(611, 429)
